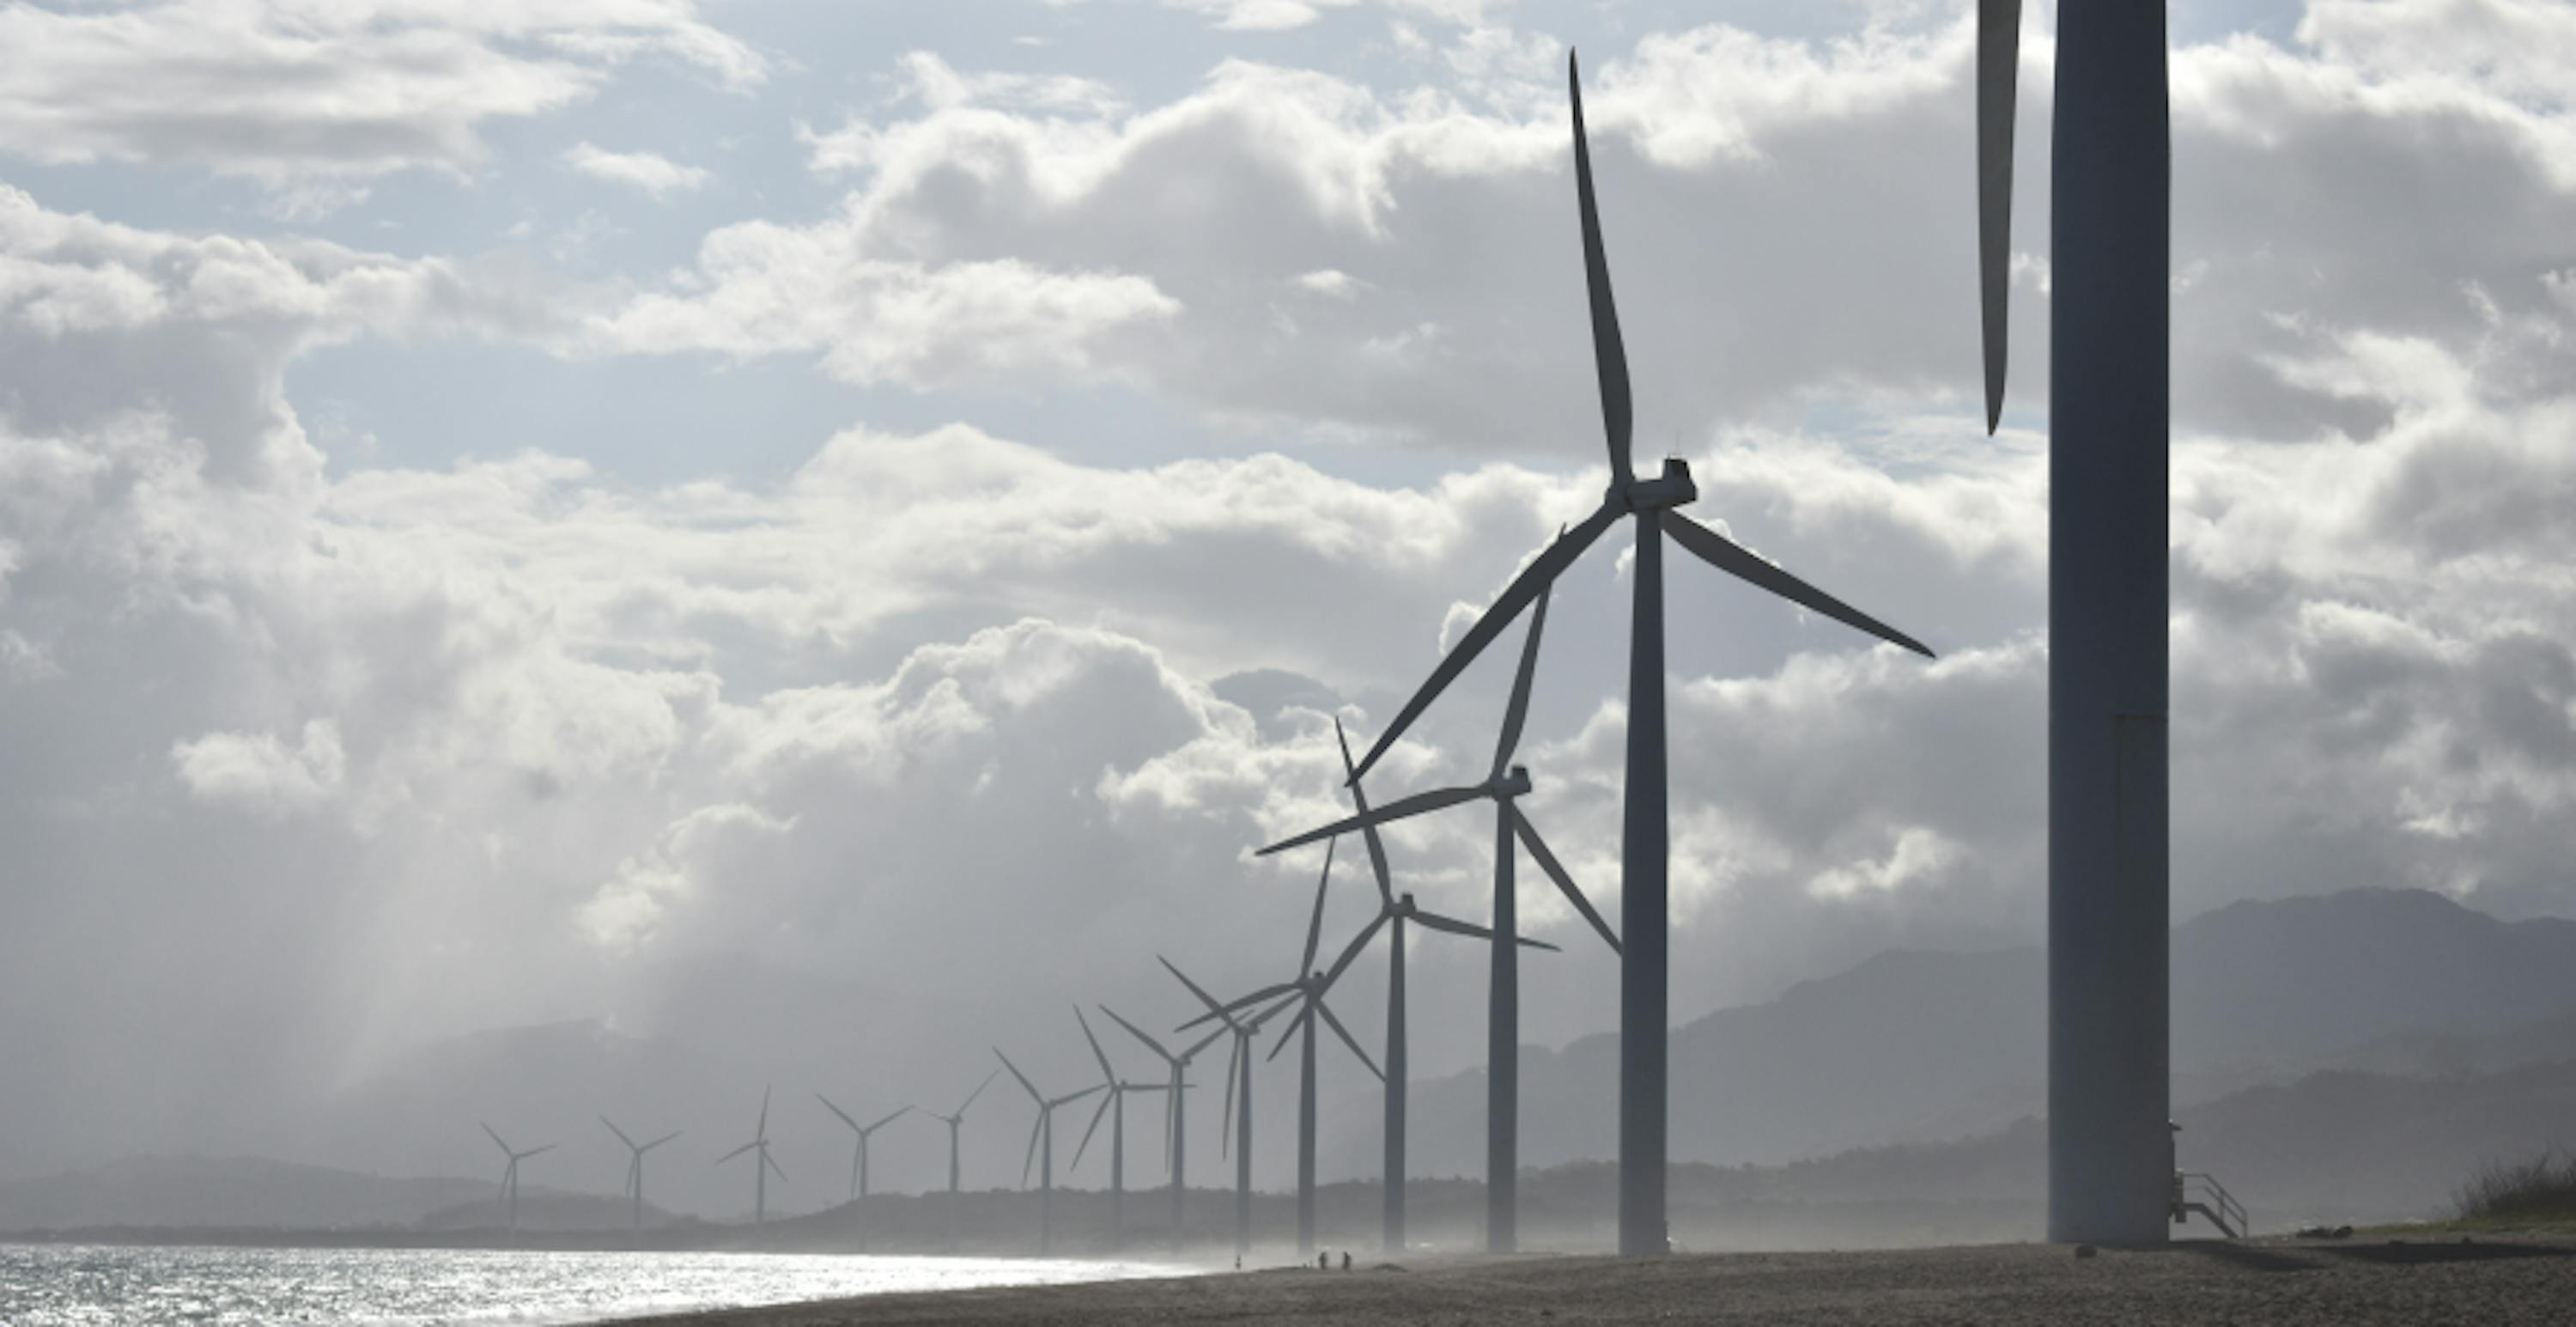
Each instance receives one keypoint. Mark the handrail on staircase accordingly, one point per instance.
(2220, 1205)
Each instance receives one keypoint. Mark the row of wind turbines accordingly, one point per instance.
(2108, 1031)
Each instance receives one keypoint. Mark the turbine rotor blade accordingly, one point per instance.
(1139, 1034)
(1399, 809)
(1096, 1116)
(772, 1163)
(1195, 989)
(1199, 1045)
(535, 1150)
(661, 1140)
(1541, 571)
(979, 1091)
(1233, 1066)
(1350, 952)
(1556, 871)
(1221, 1011)
(1734, 559)
(734, 1153)
(1034, 1094)
(763, 1131)
(1998, 74)
(1347, 1039)
(496, 1138)
(621, 1133)
(890, 1117)
(1315, 926)
(1608, 355)
(1096, 1053)
(1031, 1159)
(1517, 713)
(1456, 927)
(1368, 832)
(845, 1115)
(1291, 1033)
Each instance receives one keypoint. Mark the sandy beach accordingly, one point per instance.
(2492, 1280)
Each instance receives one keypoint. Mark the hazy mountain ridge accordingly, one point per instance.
(1908, 1047)
(1917, 1046)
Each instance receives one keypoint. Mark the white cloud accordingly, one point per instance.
(300, 93)
(261, 772)
(651, 172)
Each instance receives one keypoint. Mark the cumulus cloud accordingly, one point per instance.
(261, 772)
(290, 91)
(651, 172)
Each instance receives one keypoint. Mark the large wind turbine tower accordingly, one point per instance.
(1652, 505)
(2110, 1149)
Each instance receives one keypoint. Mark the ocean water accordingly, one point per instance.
(72, 1285)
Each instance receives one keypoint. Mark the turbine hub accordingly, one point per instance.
(1514, 784)
(1672, 488)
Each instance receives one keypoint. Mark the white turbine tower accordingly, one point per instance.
(1503, 786)
(635, 1167)
(1042, 1132)
(955, 1120)
(761, 1168)
(1307, 992)
(1176, 1136)
(859, 1157)
(1237, 1131)
(2110, 1147)
(510, 1173)
(1113, 1105)
(1653, 505)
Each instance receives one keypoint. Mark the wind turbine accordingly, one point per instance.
(510, 1172)
(1504, 786)
(635, 1166)
(1393, 912)
(1044, 1128)
(1176, 1134)
(1238, 1097)
(760, 1169)
(859, 1158)
(1114, 1105)
(1308, 992)
(2110, 1159)
(1644, 1025)
(953, 1119)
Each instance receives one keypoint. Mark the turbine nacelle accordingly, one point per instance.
(1672, 488)
(1504, 787)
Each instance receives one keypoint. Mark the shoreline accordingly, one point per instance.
(2487, 1279)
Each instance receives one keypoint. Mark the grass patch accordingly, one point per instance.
(2540, 1191)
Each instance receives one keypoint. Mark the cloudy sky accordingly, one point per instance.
(599, 509)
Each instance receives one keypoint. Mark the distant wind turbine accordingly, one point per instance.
(1308, 991)
(1238, 1097)
(1042, 1132)
(1114, 1105)
(1644, 1022)
(1393, 912)
(510, 1172)
(760, 1170)
(1504, 786)
(635, 1166)
(953, 1119)
(1176, 1136)
(859, 1157)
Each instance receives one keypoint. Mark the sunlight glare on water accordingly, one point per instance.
(99, 1286)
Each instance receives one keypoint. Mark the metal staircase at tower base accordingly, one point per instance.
(2198, 1192)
